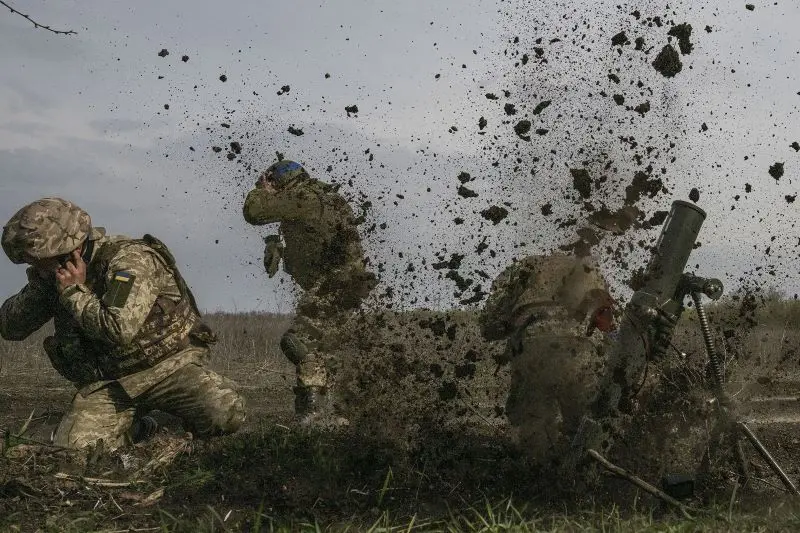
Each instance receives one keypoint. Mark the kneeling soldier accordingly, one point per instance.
(128, 333)
(555, 312)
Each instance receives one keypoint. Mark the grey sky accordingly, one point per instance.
(83, 117)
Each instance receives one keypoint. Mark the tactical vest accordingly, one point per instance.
(169, 327)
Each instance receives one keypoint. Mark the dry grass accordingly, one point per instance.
(758, 340)
(248, 347)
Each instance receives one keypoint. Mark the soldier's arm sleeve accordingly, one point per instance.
(265, 207)
(28, 310)
(134, 279)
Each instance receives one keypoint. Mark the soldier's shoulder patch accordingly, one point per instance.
(119, 289)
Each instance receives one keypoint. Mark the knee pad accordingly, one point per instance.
(231, 415)
(293, 348)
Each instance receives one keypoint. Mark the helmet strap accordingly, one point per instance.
(88, 250)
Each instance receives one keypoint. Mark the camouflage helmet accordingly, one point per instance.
(45, 228)
(283, 172)
(573, 282)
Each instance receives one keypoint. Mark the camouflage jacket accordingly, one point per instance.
(317, 224)
(132, 313)
(544, 295)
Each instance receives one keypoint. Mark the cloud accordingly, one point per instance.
(116, 125)
(24, 128)
(18, 97)
(29, 169)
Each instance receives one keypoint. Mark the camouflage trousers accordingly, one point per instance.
(317, 328)
(206, 402)
(308, 343)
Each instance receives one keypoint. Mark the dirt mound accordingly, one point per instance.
(290, 475)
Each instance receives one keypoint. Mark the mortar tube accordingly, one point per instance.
(628, 361)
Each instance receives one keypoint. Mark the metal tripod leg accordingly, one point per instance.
(742, 427)
(737, 425)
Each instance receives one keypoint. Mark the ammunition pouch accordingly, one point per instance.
(68, 357)
(202, 334)
(165, 332)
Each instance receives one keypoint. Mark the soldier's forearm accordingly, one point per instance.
(24, 313)
(9, 327)
(265, 207)
(94, 319)
(259, 208)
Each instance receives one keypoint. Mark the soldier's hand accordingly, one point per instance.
(264, 185)
(603, 319)
(663, 329)
(273, 252)
(72, 273)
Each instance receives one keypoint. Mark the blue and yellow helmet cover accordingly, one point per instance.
(284, 171)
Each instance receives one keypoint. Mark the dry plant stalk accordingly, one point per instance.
(642, 484)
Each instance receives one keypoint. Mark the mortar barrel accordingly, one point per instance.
(672, 249)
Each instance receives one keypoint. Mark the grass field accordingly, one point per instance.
(446, 464)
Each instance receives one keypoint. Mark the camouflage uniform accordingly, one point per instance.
(547, 307)
(323, 254)
(130, 338)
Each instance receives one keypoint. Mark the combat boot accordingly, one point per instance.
(314, 407)
(144, 428)
(310, 404)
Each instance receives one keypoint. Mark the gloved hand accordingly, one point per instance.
(662, 330)
(273, 252)
(603, 319)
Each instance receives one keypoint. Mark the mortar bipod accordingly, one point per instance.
(726, 409)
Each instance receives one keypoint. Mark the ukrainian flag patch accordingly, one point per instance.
(119, 289)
